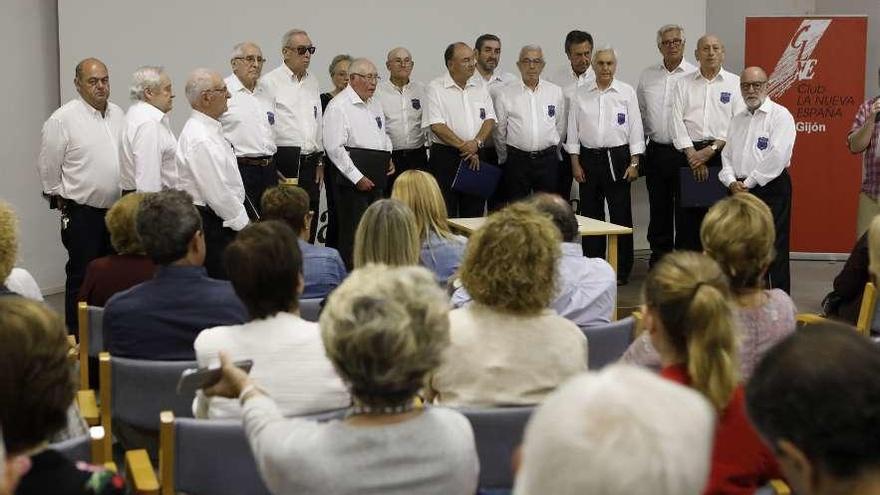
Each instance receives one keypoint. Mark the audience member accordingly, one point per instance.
(11, 470)
(622, 431)
(14, 280)
(441, 250)
(507, 346)
(36, 390)
(384, 329)
(688, 317)
(737, 232)
(814, 400)
(160, 318)
(845, 300)
(322, 267)
(265, 267)
(115, 273)
(387, 234)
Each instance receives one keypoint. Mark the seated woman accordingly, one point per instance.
(115, 273)
(441, 249)
(508, 347)
(384, 329)
(13, 281)
(264, 265)
(738, 233)
(386, 234)
(689, 320)
(36, 390)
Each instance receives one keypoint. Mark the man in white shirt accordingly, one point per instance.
(529, 129)
(756, 160)
(208, 170)
(703, 103)
(146, 161)
(354, 128)
(605, 140)
(295, 95)
(461, 116)
(79, 170)
(661, 163)
(247, 125)
(402, 100)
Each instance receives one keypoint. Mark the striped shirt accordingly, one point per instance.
(871, 158)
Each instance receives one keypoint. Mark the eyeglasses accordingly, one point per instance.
(217, 90)
(672, 42)
(531, 61)
(301, 50)
(369, 77)
(403, 61)
(752, 86)
(251, 59)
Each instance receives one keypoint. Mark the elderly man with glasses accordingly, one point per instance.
(247, 125)
(298, 115)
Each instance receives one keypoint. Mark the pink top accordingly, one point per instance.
(871, 159)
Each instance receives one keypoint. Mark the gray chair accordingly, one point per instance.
(90, 326)
(498, 432)
(608, 342)
(310, 309)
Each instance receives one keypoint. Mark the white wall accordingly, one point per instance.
(30, 94)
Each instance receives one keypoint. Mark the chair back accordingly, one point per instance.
(608, 342)
(310, 309)
(498, 432)
(868, 311)
(90, 324)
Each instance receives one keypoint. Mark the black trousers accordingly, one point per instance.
(256, 179)
(601, 186)
(414, 159)
(291, 164)
(777, 195)
(662, 162)
(564, 177)
(525, 173)
(85, 236)
(351, 205)
(444, 165)
(689, 220)
(217, 237)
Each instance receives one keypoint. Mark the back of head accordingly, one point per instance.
(166, 223)
(560, 212)
(738, 233)
(623, 430)
(419, 191)
(690, 295)
(286, 203)
(387, 234)
(818, 389)
(264, 264)
(510, 262)
(385, 328)
(121, 221)
(8, 240)
(36, 384)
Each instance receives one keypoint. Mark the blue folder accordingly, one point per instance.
(700, 194)
(481, 183)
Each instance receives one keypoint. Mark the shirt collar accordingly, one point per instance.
(291, 75)
(173, 271)
(448, 82)
(765, 106)
(92, 110)
(205, 119)
(233, 83)
(151, 111)
(572, 249)
(722, 75)
(683, 66)
(615, 86)
(352, 96)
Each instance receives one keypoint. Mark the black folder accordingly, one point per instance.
(480, 183)
(372, 163)
(700, 194)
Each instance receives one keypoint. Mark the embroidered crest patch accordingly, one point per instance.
(725, 97)
(271, 117)
(416, 104)
(621, 118)
(763, 142)
(482, 114)
(379, 122)
(551, 110)
(315, 109)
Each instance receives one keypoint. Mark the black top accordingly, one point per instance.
(325, 100)
(849, 285)
(53, 473)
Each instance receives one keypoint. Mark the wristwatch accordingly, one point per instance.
(479, 143)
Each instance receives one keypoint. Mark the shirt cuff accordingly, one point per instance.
(750, 182)
(238, 222)
(573, 149)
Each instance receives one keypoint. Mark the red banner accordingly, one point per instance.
(816, 67)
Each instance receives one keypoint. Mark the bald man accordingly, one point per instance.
(756, 160)
(79, 169)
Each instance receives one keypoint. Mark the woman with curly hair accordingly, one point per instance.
(507, 346)
(13, 281)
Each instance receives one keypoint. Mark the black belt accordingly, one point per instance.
(662, 145)
(531, 154)
(409, 151)
(311, 157)
(256, 161)
(602, 151)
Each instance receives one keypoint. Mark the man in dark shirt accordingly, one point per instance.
(160, 318)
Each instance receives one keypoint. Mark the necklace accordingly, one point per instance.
(364, 409)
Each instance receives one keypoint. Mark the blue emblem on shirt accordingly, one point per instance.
(417, 105)
(315, 108)
(725, 97)
(763, 142)
(621, 118)
(551, 110)
(482, 114)
(271, 117)
(379, 122)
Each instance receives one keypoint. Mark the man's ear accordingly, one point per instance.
(796, 466)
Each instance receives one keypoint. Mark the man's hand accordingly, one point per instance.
(390, 169)
(319, 174)
(874, 110)
(577, 172)
(231, 383)
(737, 186)
(701, 173)
(699, 158)
(364, 184)
(469, 148)
(632, 173)
(473, 161)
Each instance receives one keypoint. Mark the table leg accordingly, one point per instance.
(612, 260)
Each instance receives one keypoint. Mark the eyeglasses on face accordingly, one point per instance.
(301, 50)
(405, 62)
(369, 77)
(217, 90)
(531, 61)
(752, 86)
(672, 42)
(252, 59)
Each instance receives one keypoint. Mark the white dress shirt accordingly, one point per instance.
(605, 119)
(656, 85)
(208, 170)
(702, 109)
(297, 105)
(759, 145)
(353, 123)
(566, 79)
(462, 110)
(496, 80)
(147, 162)
(79, 154)
(403, 113)
(528, 120)
(247, 124)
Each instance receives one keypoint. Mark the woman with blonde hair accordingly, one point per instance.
(386, 234)
(737, 232)
(689, 319)
(13, 281)
(441, 250)
(507, 346)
